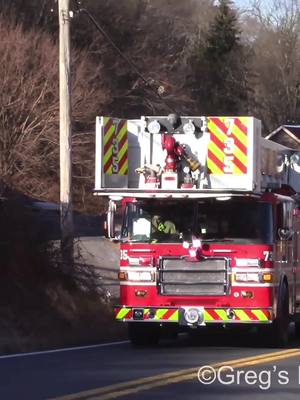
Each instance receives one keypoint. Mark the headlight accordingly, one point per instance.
(247, 277)
(254, 277)
(140, 276)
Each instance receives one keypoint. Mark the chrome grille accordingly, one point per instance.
(209, 276)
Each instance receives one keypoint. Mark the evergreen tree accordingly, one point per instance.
(223, 35)
(221, 66)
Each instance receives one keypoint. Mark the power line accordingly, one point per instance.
(121, 54)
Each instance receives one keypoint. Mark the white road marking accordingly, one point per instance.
(37, 353)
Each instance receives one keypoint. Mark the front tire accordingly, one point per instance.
(144, 333)
(297, 329)
(280, 328)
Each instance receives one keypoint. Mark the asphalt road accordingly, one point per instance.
(168, 371)
(104, 256)
(91, 248)
(239, 365)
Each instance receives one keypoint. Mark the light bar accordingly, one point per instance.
(154, 126)
(189, 128)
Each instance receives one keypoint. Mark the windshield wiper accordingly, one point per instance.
(134, 241)
(218, 240)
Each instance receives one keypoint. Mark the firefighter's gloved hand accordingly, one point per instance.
(161, 227)
(167, 227)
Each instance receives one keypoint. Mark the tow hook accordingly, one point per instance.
(230, 313)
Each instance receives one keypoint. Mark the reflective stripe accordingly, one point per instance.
(146, 312)
(160, 313)
(210, 315)
(115, 150)
(175, 316)
(207, 316)
(222, 314)
(228, 141)
(260, 315)
(241, 314)
(122, 313)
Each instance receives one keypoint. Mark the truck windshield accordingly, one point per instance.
(210, 220)
(236, 221)
(158, 222)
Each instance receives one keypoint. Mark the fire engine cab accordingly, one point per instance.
(210, 223)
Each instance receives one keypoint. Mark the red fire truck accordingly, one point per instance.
(210, 224)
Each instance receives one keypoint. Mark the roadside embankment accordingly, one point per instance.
(40, 306)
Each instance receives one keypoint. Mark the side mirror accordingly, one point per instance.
(285, 233)
(112, 224)
(105, 226)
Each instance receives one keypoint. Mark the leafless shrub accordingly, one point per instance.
(40, 306)
(276, 46)
(29, 112)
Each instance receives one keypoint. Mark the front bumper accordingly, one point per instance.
(206, 315)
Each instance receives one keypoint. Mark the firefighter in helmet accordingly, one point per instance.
(166, 226)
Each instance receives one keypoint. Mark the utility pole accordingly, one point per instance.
(65, 131)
